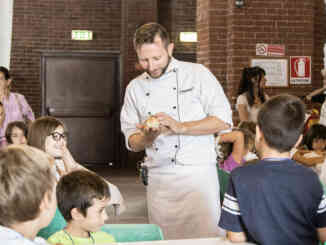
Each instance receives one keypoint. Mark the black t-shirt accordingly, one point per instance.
(275, 202)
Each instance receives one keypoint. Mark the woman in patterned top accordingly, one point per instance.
(15, 105)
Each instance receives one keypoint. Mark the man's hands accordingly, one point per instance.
(169, 125)
(158, 124)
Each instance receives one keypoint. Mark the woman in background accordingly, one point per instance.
(251, 94)
(15, 105)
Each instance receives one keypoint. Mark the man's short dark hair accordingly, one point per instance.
(281, 121)
(147, 33)
(78, 189)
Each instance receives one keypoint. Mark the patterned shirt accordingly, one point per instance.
(15, 107)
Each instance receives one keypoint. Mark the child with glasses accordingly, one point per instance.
(82, 197)
(50, 135)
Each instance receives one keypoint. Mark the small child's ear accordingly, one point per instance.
(76, 214)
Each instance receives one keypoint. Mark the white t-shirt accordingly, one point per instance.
(252, 110)
(322, 119)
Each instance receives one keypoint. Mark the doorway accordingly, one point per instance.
(82, 89)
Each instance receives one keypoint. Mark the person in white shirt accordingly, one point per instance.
(251, 94)
(322, 119)
(190, 106)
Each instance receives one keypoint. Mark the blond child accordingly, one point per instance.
(27, 200)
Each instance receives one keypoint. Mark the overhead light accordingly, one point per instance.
(83, 35)
(239, 3)
(188, 36)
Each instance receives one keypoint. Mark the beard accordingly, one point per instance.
(163, 69)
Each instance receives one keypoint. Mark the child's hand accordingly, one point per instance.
(68, 160)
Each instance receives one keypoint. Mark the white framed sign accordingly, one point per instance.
(276, 70)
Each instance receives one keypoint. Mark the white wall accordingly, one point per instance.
(6, 11)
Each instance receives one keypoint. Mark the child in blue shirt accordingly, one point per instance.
(276, 200)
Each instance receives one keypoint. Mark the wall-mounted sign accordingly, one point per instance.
(263, 49)
(188, 36)
(276, 70)
(300, 69)
(83, 35)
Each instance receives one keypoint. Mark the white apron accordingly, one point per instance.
(184, 201)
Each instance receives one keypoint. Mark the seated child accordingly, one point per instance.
(312, 152)
(16, 133)
(82, 197)
(236, 146)
(276, 201)
(28, 199)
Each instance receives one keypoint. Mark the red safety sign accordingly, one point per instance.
(300, 69)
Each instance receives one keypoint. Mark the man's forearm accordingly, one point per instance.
(208, 125)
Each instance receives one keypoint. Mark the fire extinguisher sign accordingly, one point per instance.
(300, 70)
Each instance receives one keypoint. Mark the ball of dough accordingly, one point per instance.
(152, 123)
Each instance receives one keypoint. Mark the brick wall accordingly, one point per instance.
(228, 36)
(179, 16)
(46, 25)
(212, 36)
(134, 14)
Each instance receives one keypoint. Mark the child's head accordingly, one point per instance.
(27, 187)
(280, 123)
(249, 140)
(16, 133)
(82, 197)
(48, 134)
(315, 138)
(249, 131)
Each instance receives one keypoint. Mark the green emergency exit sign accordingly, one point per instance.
(81, 35)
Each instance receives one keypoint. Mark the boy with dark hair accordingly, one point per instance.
(82, 197)
(276, 201)
(27, 199)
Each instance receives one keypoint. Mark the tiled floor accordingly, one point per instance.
(133, 192)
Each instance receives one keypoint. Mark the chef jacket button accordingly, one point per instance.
(147, 94)
(174, 107)
(176, 146)
(172, 160)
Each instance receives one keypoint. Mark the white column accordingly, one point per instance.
(6, 13)
(325, 55)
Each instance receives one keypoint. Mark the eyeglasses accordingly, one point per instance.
(56, 136)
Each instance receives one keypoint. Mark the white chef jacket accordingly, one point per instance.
(186, 92)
